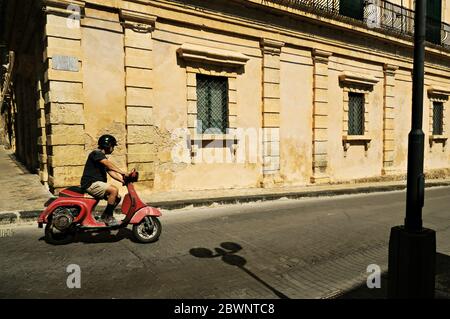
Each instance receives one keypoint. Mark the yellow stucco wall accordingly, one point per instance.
(403, 112)
(288, 77)
(171, 113)
(296, 115)
(104, 84)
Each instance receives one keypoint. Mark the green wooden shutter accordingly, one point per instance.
(352, 8)
(434, 15)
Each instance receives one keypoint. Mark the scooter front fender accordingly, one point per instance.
(145, 211)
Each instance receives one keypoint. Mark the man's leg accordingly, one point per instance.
(112, 193)
(118, 199)
(102, 190)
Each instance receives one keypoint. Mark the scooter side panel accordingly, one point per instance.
(126, 204)
(132, 195)
(145, 211)
(85, 205)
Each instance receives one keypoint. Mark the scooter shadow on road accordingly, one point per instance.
(228, 254)
(102, 237)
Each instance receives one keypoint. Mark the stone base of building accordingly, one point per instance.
(389, 171)
(273, 180)
(320, 179)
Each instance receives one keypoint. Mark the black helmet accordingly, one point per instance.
(106, 141)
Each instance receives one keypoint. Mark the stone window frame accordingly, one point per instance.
(440, 95)
(197, 139)
(356, 83)
(210, 61)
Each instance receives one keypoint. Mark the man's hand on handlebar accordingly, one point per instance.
(128, 177)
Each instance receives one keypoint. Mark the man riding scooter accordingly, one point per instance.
(94, 177)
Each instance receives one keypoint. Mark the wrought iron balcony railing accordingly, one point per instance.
(380, 15)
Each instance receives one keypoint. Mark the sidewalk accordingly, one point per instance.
(174, 200)
(22, 192)
(24, 196)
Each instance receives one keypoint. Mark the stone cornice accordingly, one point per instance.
(66, 8)
(258, 29)
(138, 21)
(270, 46)
(390, 69)
(200, 53)
(357, 79)
(320, 55)
(64, 4)
(438, 90)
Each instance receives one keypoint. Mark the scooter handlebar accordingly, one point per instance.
(131, 178)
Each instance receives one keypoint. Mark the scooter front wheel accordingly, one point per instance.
(56, 237)
(148, 230)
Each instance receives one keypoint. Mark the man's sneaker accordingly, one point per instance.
(110, 221)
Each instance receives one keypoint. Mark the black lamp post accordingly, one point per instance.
(412, 248)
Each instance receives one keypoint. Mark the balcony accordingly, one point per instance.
(379, 15)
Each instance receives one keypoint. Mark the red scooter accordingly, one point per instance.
(72, 212)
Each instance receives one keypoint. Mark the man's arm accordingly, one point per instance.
(110, 166)
(116, 176)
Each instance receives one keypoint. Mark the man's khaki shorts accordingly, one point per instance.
(98, 190)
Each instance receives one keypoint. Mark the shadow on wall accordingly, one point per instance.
(228, 256)
(442, 282)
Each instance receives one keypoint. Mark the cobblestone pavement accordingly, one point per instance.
(308, 248)
(20, 189)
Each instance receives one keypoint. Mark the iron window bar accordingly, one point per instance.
(355, 113)
(438, 113)
(212, 103)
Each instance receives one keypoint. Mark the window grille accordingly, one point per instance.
(212, 103)
(355, 113)
(438, 112)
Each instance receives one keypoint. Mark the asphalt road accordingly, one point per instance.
(308, 248)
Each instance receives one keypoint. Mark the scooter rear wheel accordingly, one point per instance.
(145, 234)
(56, 237)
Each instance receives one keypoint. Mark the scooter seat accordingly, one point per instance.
(76, 192)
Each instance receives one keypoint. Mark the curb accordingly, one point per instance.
(177, 204)
(21, 217)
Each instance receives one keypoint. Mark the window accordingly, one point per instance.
(352, 8)
(437, 109)
(433, 24)
(356, 89)
(355, 113)
(438, 112)
(212, 104)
